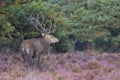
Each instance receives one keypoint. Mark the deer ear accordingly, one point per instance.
(42, 34)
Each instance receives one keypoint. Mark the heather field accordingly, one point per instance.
(62, 67)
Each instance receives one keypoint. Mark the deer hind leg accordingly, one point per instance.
(25, 60)
(31, 57)
(28, 61)
(23, 57)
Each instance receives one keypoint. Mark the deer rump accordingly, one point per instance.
(33, 48)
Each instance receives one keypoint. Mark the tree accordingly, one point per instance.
(100, 22)
(93, 21)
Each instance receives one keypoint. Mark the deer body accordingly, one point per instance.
(33, 48)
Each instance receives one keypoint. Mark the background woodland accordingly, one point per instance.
(94, 22)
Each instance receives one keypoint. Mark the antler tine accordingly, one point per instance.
(40, 25)
(43, 23)
(35, 22)
(32, 21)
(52, 28)
(38, 22)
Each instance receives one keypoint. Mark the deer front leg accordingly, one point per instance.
(37, 58)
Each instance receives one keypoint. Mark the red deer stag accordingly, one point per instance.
(33, 48)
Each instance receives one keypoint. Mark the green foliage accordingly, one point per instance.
(94, 21)
(100, 21)
(7, 28)
(63, 45)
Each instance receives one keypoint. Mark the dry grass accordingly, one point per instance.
(62, 67)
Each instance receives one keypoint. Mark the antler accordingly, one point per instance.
(40, 25)
(52, 27)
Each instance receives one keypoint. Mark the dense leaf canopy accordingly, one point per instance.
(93, 21)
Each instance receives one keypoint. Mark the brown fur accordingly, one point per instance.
(33, 48)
